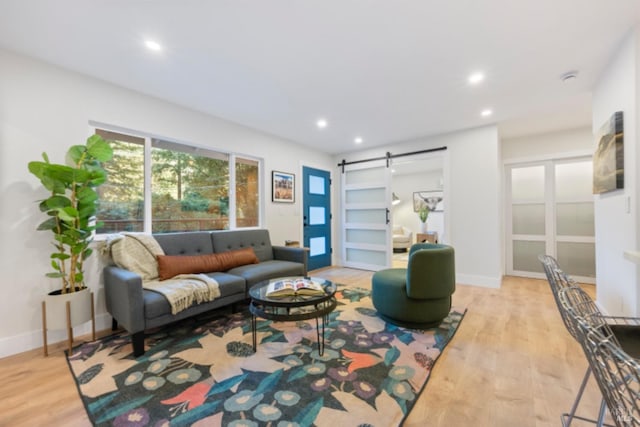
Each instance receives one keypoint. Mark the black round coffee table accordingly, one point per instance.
(292, 308)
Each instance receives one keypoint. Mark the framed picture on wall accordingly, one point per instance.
(434, 200)
(608, 160)
(282, 187)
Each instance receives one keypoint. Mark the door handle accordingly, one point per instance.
(387, 213)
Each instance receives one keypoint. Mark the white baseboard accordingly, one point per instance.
(30, 340)
(482, 281)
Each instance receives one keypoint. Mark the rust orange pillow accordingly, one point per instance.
(231, 259)
(172, 265)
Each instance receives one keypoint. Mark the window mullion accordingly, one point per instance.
(147, 186)
(232, 192)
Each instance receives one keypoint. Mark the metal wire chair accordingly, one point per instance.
(616, 372)
(623, 331)
(557, 281)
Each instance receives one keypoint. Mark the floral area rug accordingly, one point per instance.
(203, 372)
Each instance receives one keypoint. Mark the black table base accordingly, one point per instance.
(283, 313)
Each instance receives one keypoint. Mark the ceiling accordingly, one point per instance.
(387, 71)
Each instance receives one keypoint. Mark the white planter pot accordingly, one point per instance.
(423, 227)
(57, 309)
(64, 311)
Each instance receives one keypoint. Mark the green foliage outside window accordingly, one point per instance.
(188, 191)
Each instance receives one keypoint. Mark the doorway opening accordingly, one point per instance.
(417, 182)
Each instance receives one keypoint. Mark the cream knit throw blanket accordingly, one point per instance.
(137, 252)
(185, 289)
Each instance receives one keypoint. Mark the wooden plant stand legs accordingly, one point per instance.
(69, 326)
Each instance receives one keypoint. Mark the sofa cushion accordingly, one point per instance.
(137, 252)
(259, 240)
(266, 270)
(171, 265)
(156, 305)
(185, 242)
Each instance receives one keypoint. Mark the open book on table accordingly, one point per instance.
(289, 287)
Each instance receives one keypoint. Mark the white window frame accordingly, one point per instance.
(147, 209)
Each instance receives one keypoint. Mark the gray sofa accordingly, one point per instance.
(137, 309)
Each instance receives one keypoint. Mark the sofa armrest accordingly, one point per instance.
(290, 253)
(124, 297)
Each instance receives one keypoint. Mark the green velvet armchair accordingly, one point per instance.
(418, 296)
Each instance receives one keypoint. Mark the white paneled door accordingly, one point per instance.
(366, 238)
(550, 211)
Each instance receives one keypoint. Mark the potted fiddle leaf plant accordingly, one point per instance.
(423, 214)
(71, 209)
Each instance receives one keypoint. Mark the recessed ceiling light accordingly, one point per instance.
(486, 113)
(152, 45)
(358, 140)
(475, 78)
(322, 123)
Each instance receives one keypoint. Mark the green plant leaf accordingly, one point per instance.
(61, 256)
(54, 275)
(37, 168)
(49, 224)
(86, 211)
(75, 153)
(57, 201)
(98, 177)
(68, 213)
(99, 149)
(62, 174)
(86, 195)
(43, 206)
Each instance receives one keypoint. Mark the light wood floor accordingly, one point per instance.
(511, 363)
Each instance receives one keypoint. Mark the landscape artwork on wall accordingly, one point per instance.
(283, 185)
(608, 160)
(434, 200)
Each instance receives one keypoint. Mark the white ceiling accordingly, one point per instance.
(387, 71)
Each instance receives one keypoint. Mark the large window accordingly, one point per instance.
(121, 202)
(188, 190)
(247, 192)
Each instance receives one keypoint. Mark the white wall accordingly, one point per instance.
(544, 146)
(472, 179)
(618, 89)
(45, 108)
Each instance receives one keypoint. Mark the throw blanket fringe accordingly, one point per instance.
(184, 290)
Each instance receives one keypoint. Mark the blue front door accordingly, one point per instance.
(316, 205)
